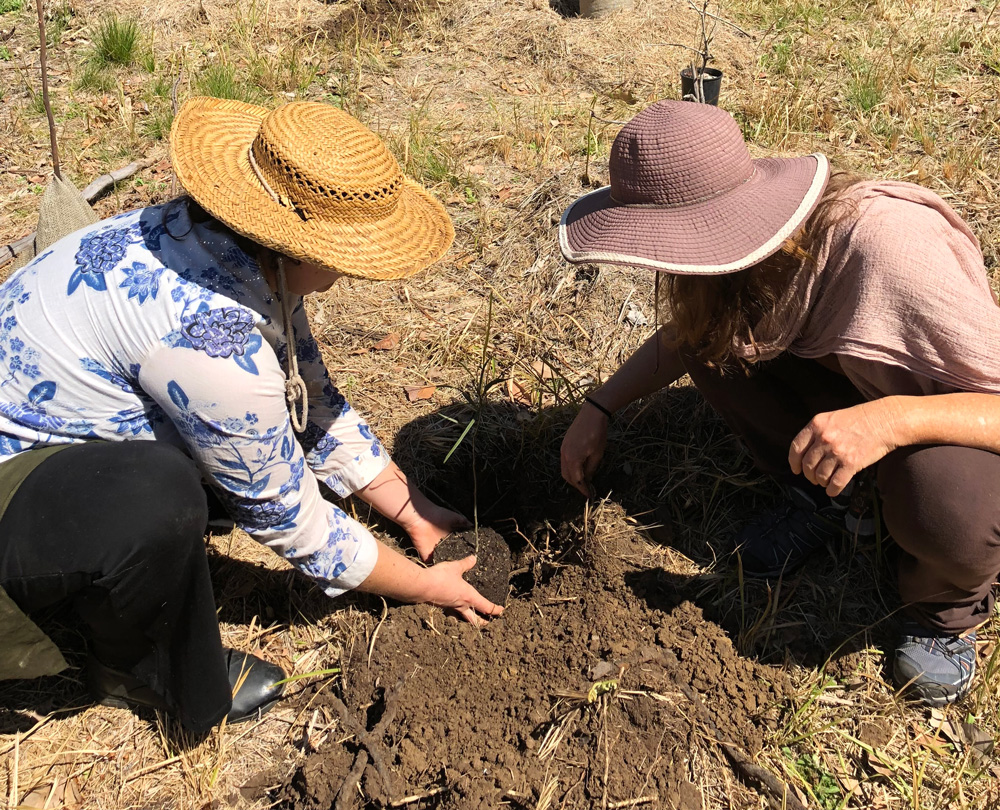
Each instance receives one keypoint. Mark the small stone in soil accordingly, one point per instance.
(491, 574)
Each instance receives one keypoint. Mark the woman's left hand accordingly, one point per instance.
(402, 502)
(431, 524)
(834, 446)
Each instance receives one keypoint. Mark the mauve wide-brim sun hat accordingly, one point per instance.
(687, 198)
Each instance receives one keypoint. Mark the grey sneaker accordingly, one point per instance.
(935, 668)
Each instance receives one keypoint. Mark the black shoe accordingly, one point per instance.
(113, 687)
(255, 683)
(780, 540)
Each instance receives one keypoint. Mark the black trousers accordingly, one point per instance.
(941, 503)
(117, 529)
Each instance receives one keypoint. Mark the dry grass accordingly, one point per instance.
(489, 102)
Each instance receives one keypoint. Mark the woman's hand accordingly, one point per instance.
(430, 524)
(402, 501)
(835, 446)
(398, 577)
(583, 448)
(445, 587)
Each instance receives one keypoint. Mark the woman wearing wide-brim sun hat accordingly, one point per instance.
(160, 361)
(846, 332)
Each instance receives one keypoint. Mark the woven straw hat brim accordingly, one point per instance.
(723, 234)
(209, 144)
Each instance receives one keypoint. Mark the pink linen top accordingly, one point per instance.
(899, 294)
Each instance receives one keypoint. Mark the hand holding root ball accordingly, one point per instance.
(431, 524)
(483, 561)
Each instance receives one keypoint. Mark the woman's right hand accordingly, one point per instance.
(583, 448)
(445, 587)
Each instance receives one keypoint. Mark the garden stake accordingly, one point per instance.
(45, 89)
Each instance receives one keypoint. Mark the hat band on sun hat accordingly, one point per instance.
(705, 198)
(260, 176)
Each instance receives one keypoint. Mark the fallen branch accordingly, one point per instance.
(371, 747)
(9, 252)
(780, 794)
(106, 181)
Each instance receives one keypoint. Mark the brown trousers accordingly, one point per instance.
(941, 503)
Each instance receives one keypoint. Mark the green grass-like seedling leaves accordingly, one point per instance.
(458, 441)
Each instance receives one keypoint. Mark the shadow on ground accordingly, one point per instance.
(678, 471)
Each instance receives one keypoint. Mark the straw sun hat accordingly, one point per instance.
(310, 182)
(686, 197)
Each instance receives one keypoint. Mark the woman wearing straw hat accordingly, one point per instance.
(168, 347)
(842, 328)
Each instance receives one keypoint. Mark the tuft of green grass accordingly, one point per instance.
(957, 40)
(425, 153)
(778, 58)
(6, 6)
(157, 125)
(5, 54)
(95, 78)
(989, 52)
(116, 41)
(222, 81)
(59, 18)
(162, 87)
(37, 103)
(864, 89)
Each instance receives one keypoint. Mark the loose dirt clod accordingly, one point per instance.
(491, 574)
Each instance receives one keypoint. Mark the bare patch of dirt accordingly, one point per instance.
(577, 692)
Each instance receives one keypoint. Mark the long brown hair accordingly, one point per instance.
(711, 313)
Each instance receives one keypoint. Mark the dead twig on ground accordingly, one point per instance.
(419, 797)
(779, 794)
(371, 747)
(106, 181)
(633, 802)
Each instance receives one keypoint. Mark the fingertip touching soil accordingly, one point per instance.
(491, 573)
(583, 695)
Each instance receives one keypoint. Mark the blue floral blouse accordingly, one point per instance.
(150, 326)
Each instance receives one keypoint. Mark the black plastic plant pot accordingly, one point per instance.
(707, 91)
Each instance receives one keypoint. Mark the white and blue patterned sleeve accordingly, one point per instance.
(340, 447)
(225, 394)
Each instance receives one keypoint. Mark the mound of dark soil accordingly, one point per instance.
(491, 574)
(583, 692)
